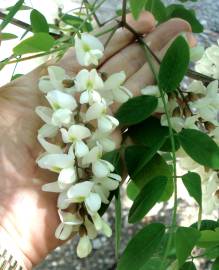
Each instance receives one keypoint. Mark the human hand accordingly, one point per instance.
(27, 215)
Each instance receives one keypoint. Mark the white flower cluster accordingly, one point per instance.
(209, 63)
(201, 112)
(75, 136)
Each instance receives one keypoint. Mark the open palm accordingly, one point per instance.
(28, 215)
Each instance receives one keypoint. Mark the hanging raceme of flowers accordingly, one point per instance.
(75, 136)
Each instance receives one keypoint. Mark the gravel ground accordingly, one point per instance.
(103, 256)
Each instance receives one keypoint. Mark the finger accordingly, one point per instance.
(132, 58)
(121, 39)
(144, 75)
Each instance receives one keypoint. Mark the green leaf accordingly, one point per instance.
(174, 65)
(145, 154)
(152, 264)
(215, 265)
(188, 16)
(206, 225)
(141, 247)
(212, 252)
(7, 36)
(157, 166)
(136, 110)
(118, 222)
(209, 238)
(192, 182)
(150, 133)
(188, 266)
(136, 7)
(157, 8)
(132, 190)
(185, 240)
(38, 22)
(77, 22)
(11, 14)
(200, 147)
(16, 76)
(40, 42)
(147, 198)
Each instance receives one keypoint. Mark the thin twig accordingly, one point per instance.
(110, 36)
(94, 15)
(124, 9)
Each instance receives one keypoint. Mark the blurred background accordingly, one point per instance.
(103, 256)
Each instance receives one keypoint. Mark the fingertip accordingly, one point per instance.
(180, 24)
(192, 41)
(146, 22)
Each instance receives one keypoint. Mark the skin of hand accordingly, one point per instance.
(28, 216)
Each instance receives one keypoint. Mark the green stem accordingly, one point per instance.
(124, 8)
(37, 55)
(199, 217)
(173, 146)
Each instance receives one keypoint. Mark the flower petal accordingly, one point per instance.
(52, 187)
(67, 176)
(84, 247)
(58, 99)
(115, 80)
(81, 149)
(63, 231)
(44, 113)
(78, 132)
(55, 162)
(48, 131)
(93, 202)
(49, 147)
(95, 111)
(78, 192)
(61, 117)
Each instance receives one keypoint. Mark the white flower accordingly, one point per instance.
(114, 89)
(56, 118)
(84, 247)
(89, 82)
(88, 49)
(106, 123)
(93, 202)
(101, 225)
(197, 87)
(76, 134)
(54, 80)
(61, 117)
(60, 100)
(178, 123)
(69, 223)
(49, 147)
(55, 162)
(91, 230)
(63, 201)
(102, 139)
(153, 90)
(103, 186)
(209, 63)
(67, 176)
(48, 131)
(44, 113)
(208, 106)
(100, 167)
(196, 53)
(79, 192)
(210, 198)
